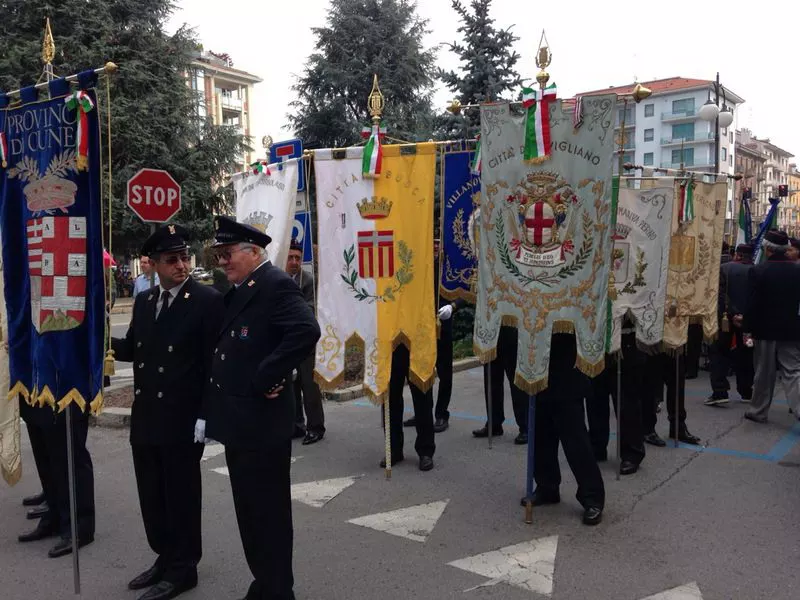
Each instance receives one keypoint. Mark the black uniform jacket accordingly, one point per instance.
(773, 309)
(267, 331)
(171, 361)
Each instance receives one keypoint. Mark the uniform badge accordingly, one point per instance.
(251, 283)
(171, 229)
(244, 332)
(150, 297)
(186, 295)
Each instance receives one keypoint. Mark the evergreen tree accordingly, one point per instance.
(155, 122)
(362, 38)
(488, 66)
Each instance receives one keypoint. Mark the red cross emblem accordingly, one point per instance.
(57, 267)
(539, 221)
(368, 243)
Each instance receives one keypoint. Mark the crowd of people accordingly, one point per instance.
(238, 368)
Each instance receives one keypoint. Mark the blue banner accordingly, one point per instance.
(50, 215)
(460, 211)
(769, 222)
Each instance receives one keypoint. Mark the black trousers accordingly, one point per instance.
(308, 396)
(55, 437)
(262, 498)
(560, 417)
(634, 397)
(723, 357)
(444, 369)
(41, 458)
(423, 407)
(694, 347)
(170, 496)
(505, 365)
(660, 372)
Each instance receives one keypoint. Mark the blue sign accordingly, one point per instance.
(281, 151)
(301, 232)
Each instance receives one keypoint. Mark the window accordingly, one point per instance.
(684, 131)
(648, 158)
(648, 135)
(627, 157)
(730, 159)
(688, 157)
(628, 117)
(684, 106)
(649, 110)
(724, 154)
(730, 137)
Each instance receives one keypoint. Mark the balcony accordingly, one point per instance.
(696, 164)
(231, 103)
(629, 124)
(685, 115)
(697, 138)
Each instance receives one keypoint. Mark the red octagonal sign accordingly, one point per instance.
(154, 195)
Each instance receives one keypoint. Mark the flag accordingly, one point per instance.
(10, 455)
(769, 222)
(537, 122)
(52, 250)
(372, 160)
(545, 240)
(265, 199)
(460, 211)
(694, 255)
(639, 260)
(376, 263)
(745, 223)
(686, 200)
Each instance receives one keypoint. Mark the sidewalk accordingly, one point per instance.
(122, 306)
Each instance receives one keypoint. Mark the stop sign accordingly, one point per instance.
(154, 195)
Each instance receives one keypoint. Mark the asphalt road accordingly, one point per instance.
(721, 522)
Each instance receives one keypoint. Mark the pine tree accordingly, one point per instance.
(362, 38)
(488, 65)
(154, 118)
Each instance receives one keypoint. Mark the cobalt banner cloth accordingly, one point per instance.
(52, 246)
(545, 239)
(460, 208)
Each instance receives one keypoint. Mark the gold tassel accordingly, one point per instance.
(484, 356)
(531, 388)
(725, 326)
(108, 363)
(82, 163)
(96, 406)
(590, 369)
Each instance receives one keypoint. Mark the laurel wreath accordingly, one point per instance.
(703, 260)
(402, 276)
(28, 169)
(546, 279)
(459, 235)
(638, 277)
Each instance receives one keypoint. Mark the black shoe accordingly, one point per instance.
(299, 431)
(751, 417)
(627, 467)
(312, 437)
(38, 512)
(64, 547)
(521, 439)
(691, 376)
(654, 439)
(412, 422)
(165, 590)
(541, 498)
(440, 425)
(592, 515)
(484, 432)
(601, 455)
(685, 436)
(396, 458)
(717, 399)
(425, 463)
(42, 532)
(150, 577)
(34, 500)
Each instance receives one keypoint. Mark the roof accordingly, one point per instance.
(666, 86)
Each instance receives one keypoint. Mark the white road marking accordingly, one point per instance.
(689, 591)
(319, 493)
(414, 522)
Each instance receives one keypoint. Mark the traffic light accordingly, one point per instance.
(783, 191)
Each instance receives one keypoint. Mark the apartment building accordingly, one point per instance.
(775, 171)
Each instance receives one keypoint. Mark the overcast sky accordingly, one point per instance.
(752, 45)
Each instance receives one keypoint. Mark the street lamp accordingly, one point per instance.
(710, 111)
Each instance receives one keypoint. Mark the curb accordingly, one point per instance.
(357, 391)
(112, 417)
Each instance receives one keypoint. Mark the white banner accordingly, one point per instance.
(266, 201)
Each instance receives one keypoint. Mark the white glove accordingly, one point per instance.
(200, 431)
(446, 312)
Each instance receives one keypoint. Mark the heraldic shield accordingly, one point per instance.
(57, 267)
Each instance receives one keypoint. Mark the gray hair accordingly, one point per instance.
(772, 246)
(257, 250)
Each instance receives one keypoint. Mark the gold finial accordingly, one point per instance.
(454, 108)
(543, 59)
(266, 141)
(376, 101)
(110, 68)
(48, 44)
(640, 93)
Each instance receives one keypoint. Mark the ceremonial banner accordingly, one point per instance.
(640, 260)
(376, 263)
(460, 209)
(52, 246)
(265, 199)
(10, 459)
(694, 255)
(545, 239)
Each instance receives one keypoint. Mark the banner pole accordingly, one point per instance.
(387, 437)
(619, 412)
(531, 457)
(488, 384)
(675, 415)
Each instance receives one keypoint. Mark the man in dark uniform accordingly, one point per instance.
(560, 417)
(667, 369)
(505, 363)
(733, 294)
(306, 391)
(267, 331)
(170, 339)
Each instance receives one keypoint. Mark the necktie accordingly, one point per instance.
(165, 298)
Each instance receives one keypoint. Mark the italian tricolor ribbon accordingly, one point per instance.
(260, 167)
(537, 125)
(3, 150)
(82, 103)
(475, 166)
(686, 201)
(373, 152)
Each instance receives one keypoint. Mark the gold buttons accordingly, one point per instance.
(160, 394)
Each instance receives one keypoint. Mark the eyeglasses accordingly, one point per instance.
(226, 253)
(174, 260)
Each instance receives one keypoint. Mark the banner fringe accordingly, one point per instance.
(376, 399)
(329, 386)
(484, 356)
(531, 388)
(509, 321)
(563, 327)
(424, 385)
(96, 405)
(12, 477)
(590, 369)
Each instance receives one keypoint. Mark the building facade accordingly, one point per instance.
(793, 202)
(224, 94)
(751, 164)
(775, 171)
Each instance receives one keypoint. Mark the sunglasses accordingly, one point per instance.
(174, 260)
(226, 253)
